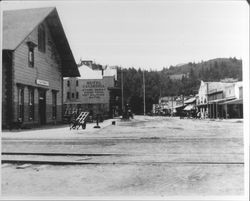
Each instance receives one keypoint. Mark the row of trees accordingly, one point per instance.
(159, 83)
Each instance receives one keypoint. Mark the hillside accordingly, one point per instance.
(211, 70)
(160, 83)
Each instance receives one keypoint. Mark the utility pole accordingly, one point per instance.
(144, 101)
(208, 112)
(122, 90)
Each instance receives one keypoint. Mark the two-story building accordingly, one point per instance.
(214, 98)
(94, 91)
(233, 106)
(36, 57)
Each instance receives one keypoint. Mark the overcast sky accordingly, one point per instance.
(151, 34)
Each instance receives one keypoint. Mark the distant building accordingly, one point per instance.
(36, 57)
(95, 91)
(179, 76)
(170, 105)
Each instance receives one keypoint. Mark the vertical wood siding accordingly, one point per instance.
(47, 66)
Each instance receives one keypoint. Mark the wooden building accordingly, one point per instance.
(220, 99)
(36, 57)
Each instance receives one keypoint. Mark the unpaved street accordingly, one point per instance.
(147, 156)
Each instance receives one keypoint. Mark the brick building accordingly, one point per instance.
(36, 57)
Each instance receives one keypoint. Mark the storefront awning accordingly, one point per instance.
(179, 106)
(231, 102)
(221, 100)
(189, 107)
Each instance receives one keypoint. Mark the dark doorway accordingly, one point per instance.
(42, 107)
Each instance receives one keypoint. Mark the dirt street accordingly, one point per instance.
(157, 156)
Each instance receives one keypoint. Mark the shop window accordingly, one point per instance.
(20, 104)
(77, 95)
(54, 100)
(31, 56)
(77, 83)
(41, 38)
(68, 95)
(73, 95)
(31, 104)
(240, 92)
(68, 83)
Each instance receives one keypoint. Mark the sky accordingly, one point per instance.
(151, 34)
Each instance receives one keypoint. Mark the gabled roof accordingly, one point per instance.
(87, 72)
(18, 24)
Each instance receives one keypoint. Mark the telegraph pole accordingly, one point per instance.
(144, 101)
(208, 112)
(122, 90)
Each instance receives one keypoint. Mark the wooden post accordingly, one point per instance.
(216, 110)
(226, 110)
(122, 90)
(208, 112)
(144, 101)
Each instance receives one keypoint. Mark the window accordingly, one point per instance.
(20, 104)
(77, 83)
(41, 38)
(31, 56)
(73, 95)
(240, 92)
(31, 104)
(77, 95)
(68, 95)
(68, 83)
(54, 99)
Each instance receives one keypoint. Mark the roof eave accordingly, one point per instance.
(69, 66)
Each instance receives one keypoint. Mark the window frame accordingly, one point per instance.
(31, 57)
(54, 105)
(20, 91)
(41, 38)
(68, 95)
(31, 104)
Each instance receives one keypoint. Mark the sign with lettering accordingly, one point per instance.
(42, 82)
(93, 90)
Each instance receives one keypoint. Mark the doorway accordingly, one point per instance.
(42, 107)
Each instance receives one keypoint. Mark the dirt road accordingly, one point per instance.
(159, 157)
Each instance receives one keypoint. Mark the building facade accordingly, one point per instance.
(220, 99)
(36, 57)
(95, 91)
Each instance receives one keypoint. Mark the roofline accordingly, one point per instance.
(53, 8)
(65, 38)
